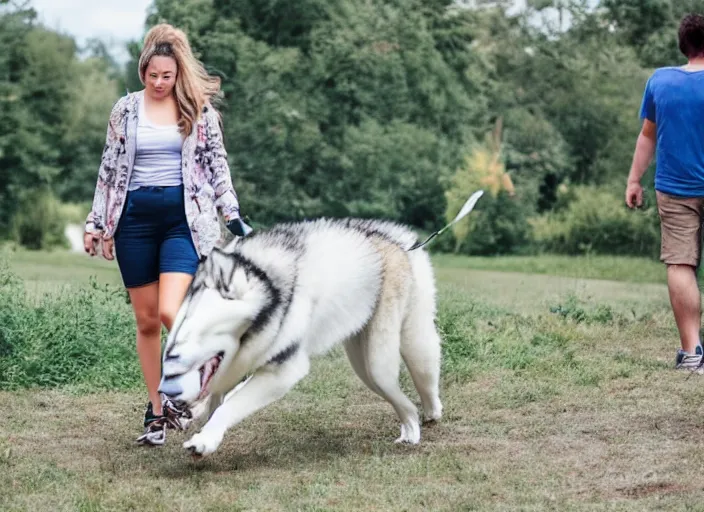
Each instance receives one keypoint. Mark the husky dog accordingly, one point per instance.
(265, 304)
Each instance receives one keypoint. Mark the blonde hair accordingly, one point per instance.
(194, 86)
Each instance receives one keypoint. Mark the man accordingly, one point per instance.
(673, 120)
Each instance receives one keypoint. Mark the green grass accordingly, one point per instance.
(558, 389)
(43, 272)
(612, 268)
(72, 333)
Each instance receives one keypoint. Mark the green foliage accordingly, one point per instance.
(39, 220)
(595, 220)
(374, 108)
(648, 27)
(346, 108)
(93, 95)
(536, 155)
(500, 226)
(80, 336)
(572, 309)
(53, 111)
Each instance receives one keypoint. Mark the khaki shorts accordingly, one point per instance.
(681, 229)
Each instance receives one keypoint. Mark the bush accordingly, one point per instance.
(74, 213)
(40, 220)
(80, 336)
(499, 226)
(597, 221)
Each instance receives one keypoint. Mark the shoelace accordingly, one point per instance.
(155, 433)
(174, 415)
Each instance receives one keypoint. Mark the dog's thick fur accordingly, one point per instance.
(263, 305)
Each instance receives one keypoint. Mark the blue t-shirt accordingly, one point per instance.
(674, 101)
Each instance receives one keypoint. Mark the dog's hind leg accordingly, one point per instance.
(355, 353)
(268, 384)
(420, 342)
(382, 358)
(421, 351)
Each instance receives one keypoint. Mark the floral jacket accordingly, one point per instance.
(206, 175)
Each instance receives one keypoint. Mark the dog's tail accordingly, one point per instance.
(464, 211)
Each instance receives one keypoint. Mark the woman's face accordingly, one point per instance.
(160, 76)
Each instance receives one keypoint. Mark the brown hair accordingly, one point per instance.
(691, 36)
(194, 86)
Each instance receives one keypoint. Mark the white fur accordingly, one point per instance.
(353, 286)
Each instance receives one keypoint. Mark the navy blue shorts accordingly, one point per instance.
(153, 236)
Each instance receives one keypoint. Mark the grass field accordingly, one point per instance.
(558, 389)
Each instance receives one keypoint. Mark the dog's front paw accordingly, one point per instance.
(202, 444)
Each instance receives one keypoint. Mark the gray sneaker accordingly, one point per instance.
(690, 362)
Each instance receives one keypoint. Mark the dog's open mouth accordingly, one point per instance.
(207, 371)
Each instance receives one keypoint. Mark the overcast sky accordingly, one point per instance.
(115, 21)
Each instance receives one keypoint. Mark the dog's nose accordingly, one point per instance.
(170, 388)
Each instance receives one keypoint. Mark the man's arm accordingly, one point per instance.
(643, 156)
(645, 150)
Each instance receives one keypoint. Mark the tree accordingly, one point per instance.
(50, 138)
(346, 108)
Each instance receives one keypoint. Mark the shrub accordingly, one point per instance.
(499, 226)
(39, 221)
(80, 336)
(597, 221)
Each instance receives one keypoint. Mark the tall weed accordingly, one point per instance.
(79, 335)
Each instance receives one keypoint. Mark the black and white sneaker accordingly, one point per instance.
(176, 417)
(154, 428)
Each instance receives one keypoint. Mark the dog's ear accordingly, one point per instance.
(220, 270)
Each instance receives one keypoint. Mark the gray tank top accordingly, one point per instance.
(157, 160)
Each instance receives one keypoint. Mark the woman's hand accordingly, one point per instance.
(108, 249)
(238, 227)
(90, 242)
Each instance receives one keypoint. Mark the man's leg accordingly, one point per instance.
(681, 222)
(686, 304)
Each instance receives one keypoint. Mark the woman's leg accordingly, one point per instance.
(178, 259)
(172, 289)
(137, 253)
(145, 302)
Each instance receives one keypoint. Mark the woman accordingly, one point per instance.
(163, 177)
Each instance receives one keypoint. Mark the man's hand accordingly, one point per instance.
(634, 194)
(643, 156)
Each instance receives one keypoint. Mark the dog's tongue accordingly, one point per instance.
(207, 373)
